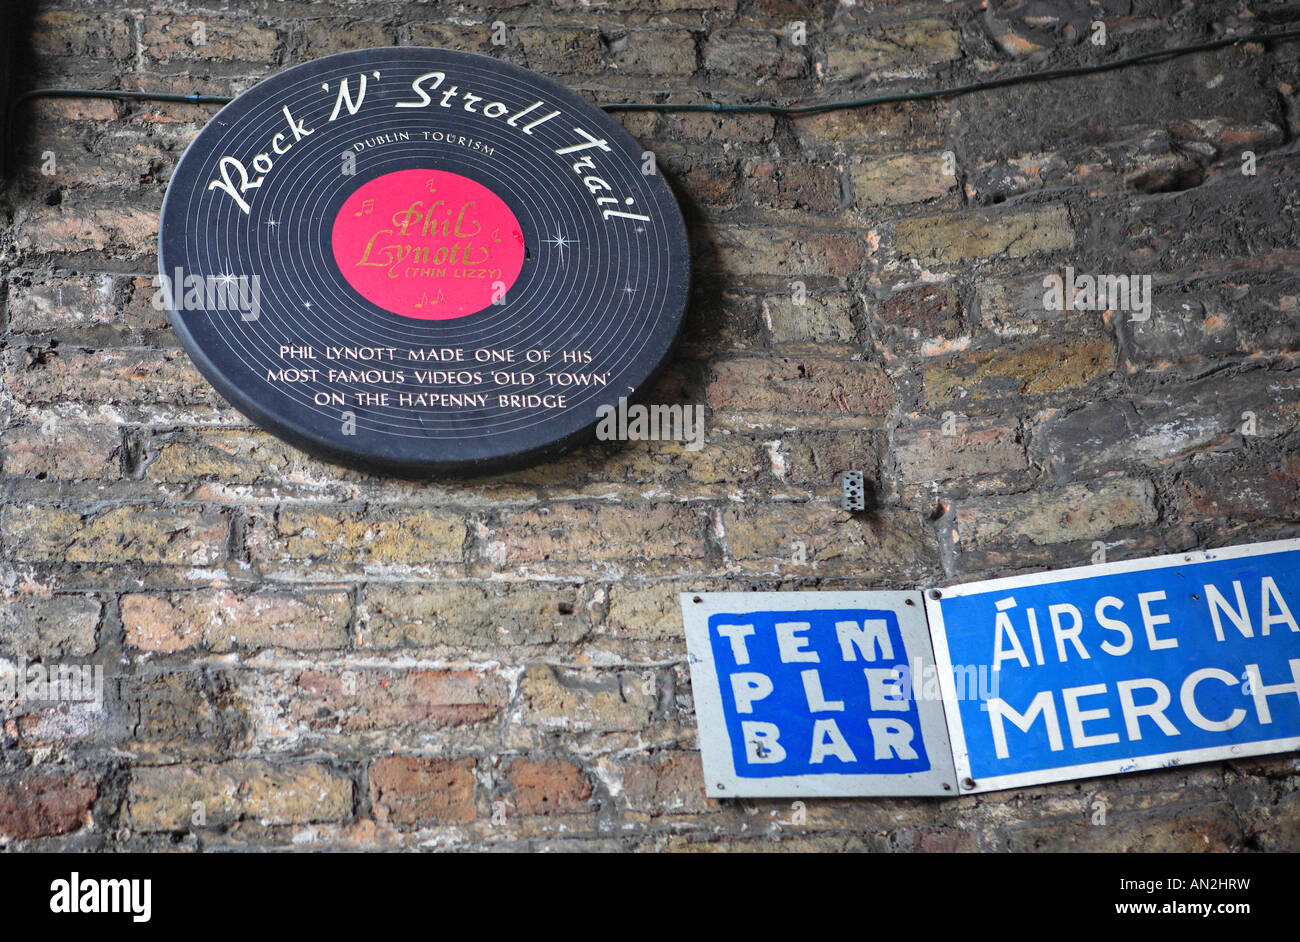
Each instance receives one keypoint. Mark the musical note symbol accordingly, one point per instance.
(367, 208)
(424, 299)
(431, 185)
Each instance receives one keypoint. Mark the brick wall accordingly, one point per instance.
(300, 656)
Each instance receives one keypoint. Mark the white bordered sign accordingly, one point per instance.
(1121, 667)
(816, 694)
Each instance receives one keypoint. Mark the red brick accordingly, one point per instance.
(132, 376)
(80, 36)
(669, 783)
(222, 620)
(915, 319)
(804, 386)
(374, 699)
(788, 185)
(417, 790)
(547, 786)
(64, 451)
(88, 224)
(45, 804)
(168, 38)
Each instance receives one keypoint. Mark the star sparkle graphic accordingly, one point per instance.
(560, 243)
(226, 278)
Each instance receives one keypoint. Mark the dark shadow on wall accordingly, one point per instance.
(682, 379)
(16, 61)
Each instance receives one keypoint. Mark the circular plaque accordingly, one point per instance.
(420, 261)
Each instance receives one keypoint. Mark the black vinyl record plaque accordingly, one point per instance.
(420, 261)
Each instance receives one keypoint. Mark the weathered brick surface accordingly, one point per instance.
(55, 626)
(169, 38)
(916, 319)
(654, 52)
(1076, 512)
(414, 790)
(875, 130)
(369, 699)
(167, 798)
(958, 237)
(303, 656)
(385, 538)
(222, 620)
(136, 533)
(62, 301)
(1017, 371)
(827, 390)
(185, 714)
(82, 223)
(921, 178)
(782, 254)
(832, 541)
(66, 450)
(577, 700)
(567, 537)
(405, 614)
(729, 54)
(896, 51)
(817, 321)
(667, 784)
(546, 786)
(959, 455)
(42, 374)
(1156, 429)
(45, 804)
(785, 185)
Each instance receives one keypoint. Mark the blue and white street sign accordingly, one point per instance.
(816, 694)
(1133, 665)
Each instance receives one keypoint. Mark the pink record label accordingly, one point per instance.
(428, 244)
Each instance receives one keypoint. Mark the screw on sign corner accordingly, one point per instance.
(855, 493)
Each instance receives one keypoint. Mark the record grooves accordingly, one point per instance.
(421, 261)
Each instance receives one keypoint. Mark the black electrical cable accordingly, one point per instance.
(935, 93)
(783, 110)
(90, 93)
(788, 110)
(123, 96)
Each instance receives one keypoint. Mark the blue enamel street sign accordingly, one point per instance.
(1120, 667)
(817, 694)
